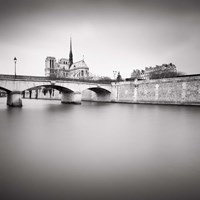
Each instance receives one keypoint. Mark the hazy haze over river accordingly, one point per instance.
(53, 150)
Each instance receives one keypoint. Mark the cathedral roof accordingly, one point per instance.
(79, 64)
(64, 59)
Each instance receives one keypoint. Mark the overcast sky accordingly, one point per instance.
(112, 35)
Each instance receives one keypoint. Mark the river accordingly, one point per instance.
(99, 151)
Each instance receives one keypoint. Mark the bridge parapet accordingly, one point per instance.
(45, 78)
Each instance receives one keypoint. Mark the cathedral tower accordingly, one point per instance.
(70, 54)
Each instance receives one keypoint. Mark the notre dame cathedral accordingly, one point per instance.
(66, 68)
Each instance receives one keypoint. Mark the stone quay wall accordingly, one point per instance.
(183, 90)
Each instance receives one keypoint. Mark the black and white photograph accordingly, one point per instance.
(99, 100)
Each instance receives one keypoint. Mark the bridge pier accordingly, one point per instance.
(14, 99)
(97, 96)
(103, 97)
(71, 97)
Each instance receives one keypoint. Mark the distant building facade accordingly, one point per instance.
(66, 68)
(158, 69)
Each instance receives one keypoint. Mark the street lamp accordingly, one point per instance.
(15, 60)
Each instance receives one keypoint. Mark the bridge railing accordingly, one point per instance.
(45, 78)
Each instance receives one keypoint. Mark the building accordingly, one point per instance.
(66, 68)
(157, 71)
(164, 70)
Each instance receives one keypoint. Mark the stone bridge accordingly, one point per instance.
(71, 89)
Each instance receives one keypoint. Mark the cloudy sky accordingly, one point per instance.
(112, 35)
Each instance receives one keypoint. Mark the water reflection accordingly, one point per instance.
(88, 150)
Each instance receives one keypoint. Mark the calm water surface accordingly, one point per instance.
(99, 151)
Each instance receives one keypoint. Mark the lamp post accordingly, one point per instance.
(15, 60)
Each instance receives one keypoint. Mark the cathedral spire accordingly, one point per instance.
(70, 53)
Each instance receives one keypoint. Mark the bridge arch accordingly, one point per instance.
(99, 90)
(98, 94)
(5, 89)
(66, 95)
(57, 87)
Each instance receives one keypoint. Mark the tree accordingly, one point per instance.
(104, 79)
(164, 74)
(119, 77)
